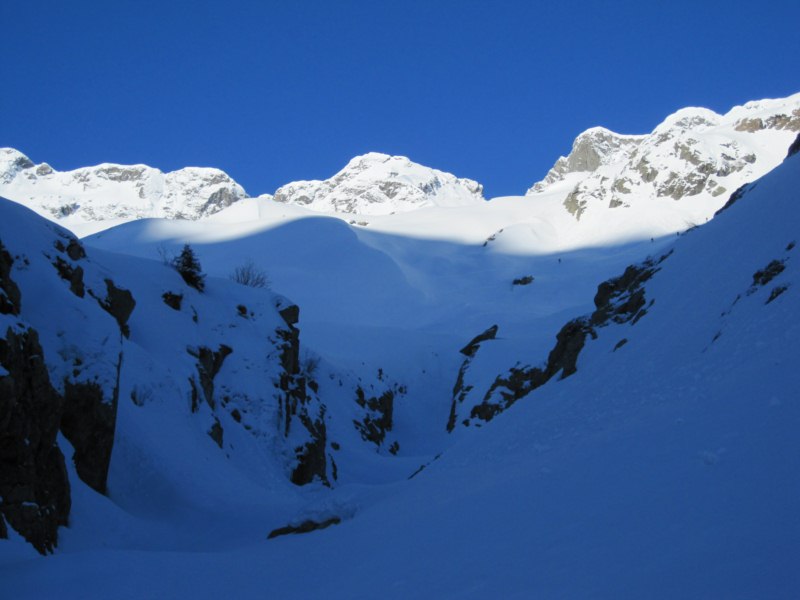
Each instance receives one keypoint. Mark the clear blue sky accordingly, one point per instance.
(273, 92)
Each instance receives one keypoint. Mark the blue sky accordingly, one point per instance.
(273, 92)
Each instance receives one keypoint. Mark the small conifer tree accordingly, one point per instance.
(188, 266)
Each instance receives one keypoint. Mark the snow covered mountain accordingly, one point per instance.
(493, 400)
(695, 156)
(379, 184)
(114, 193)
(647, 448)
(372, 184)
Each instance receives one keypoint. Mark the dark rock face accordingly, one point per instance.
(304, 527)
(735, 196)
(619, 300)
(290, 314)
(209, 363)
(795, 147)
(506, 390)
(74, 250)
(776, 291)
(569, 343)
(622, 299)
(472, 347)
(378, 420)
(172, 300)
(311, 457)
(33, 479)
(290, 338)
(216, 433)
(71, 274)
(525, 280)
(299, 405)
(460, 391)
(66, 269)
(764, 276)
(88, 422)
(119, 303)
(9, 292)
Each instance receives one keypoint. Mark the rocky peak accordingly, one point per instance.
(377, 183)
(111, 191)
(12, 162)
(692, 118)
(592, 149)
(694, 153)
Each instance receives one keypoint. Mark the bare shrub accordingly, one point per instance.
(251, 275)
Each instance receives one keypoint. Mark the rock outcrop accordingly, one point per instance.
(209, 362)
(619, 300)
(460, 389)
(34, 489)
(34, 408)
(302, 414)
(9, 291)
(376, 420)
(306, 526)
(795, 147)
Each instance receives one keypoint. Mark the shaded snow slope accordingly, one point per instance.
(206, 397)
(393, 300)
(114, 193)
(695, 156)
(379, 184)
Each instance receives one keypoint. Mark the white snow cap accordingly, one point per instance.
(108, 191)
(378, 184)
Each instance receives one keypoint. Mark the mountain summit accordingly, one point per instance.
(115, 192)
(378, 184)
(694, 154)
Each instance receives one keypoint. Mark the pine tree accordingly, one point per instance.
(188, 266)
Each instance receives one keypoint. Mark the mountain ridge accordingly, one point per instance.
(694, 154)
(112, 192)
